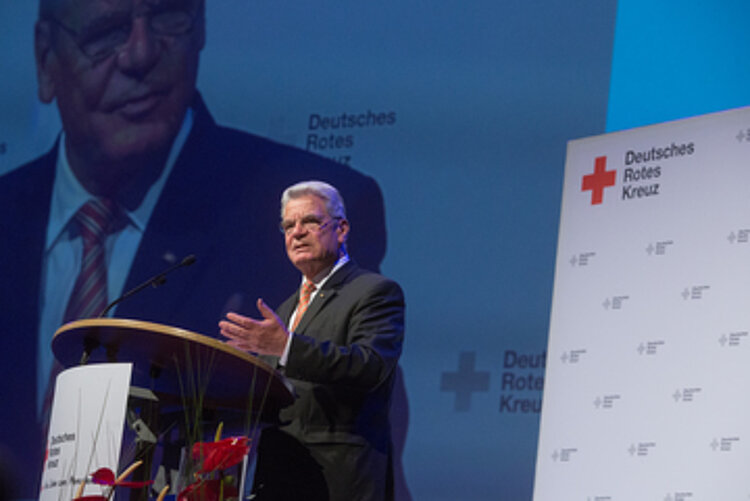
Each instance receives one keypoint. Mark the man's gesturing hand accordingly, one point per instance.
(266, 337)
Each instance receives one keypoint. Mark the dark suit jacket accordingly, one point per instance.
(221, 203)
(342, 362)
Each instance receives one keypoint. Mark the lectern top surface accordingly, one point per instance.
(175, 361)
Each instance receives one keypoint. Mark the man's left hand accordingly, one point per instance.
(266, 337)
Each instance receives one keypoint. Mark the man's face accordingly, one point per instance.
(132, 102)
(312, 237)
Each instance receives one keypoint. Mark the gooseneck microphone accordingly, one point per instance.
(155, 281)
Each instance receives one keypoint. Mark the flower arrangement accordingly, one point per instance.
(211, 481)
(106, 477)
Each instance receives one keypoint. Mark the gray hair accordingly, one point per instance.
(330, 195)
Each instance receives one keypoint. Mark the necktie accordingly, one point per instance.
(95, 220)
(304, 300)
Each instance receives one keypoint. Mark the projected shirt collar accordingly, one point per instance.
(68, 195)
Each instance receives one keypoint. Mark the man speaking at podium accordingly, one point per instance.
(338, 339)
(140, 177)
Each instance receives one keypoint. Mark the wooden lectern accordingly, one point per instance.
(180, 369)
(165, 357)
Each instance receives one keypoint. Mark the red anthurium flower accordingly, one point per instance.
(207, 490)
(105, 476)
(221, 454)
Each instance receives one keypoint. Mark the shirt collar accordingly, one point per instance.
(319, 282)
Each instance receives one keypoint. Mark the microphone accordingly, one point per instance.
(155, 281)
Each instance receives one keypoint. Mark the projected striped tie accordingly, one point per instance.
(89, 295)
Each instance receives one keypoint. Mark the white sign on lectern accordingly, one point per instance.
(86, 427)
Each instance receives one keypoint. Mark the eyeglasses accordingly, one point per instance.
(107, 36)
(308, 223)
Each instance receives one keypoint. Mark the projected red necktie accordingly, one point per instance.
(304, 300)
(94, 220)
(89, 295)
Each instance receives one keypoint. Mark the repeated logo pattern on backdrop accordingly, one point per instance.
(648, 349)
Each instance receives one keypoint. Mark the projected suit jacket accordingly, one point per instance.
(342, 362)
(221, 203)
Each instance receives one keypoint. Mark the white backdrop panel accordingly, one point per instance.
(648, 347)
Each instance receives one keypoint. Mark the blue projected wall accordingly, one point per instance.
(461, 113)
(484, 98)
(677, 59)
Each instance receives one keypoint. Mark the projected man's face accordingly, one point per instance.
(123, 73)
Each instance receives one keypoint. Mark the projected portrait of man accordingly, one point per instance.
(139, 177)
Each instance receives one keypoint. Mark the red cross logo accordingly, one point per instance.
(600, 179)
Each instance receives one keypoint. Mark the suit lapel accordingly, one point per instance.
(329, 291)
(22, 271)
(287, 308)
(178, 225)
